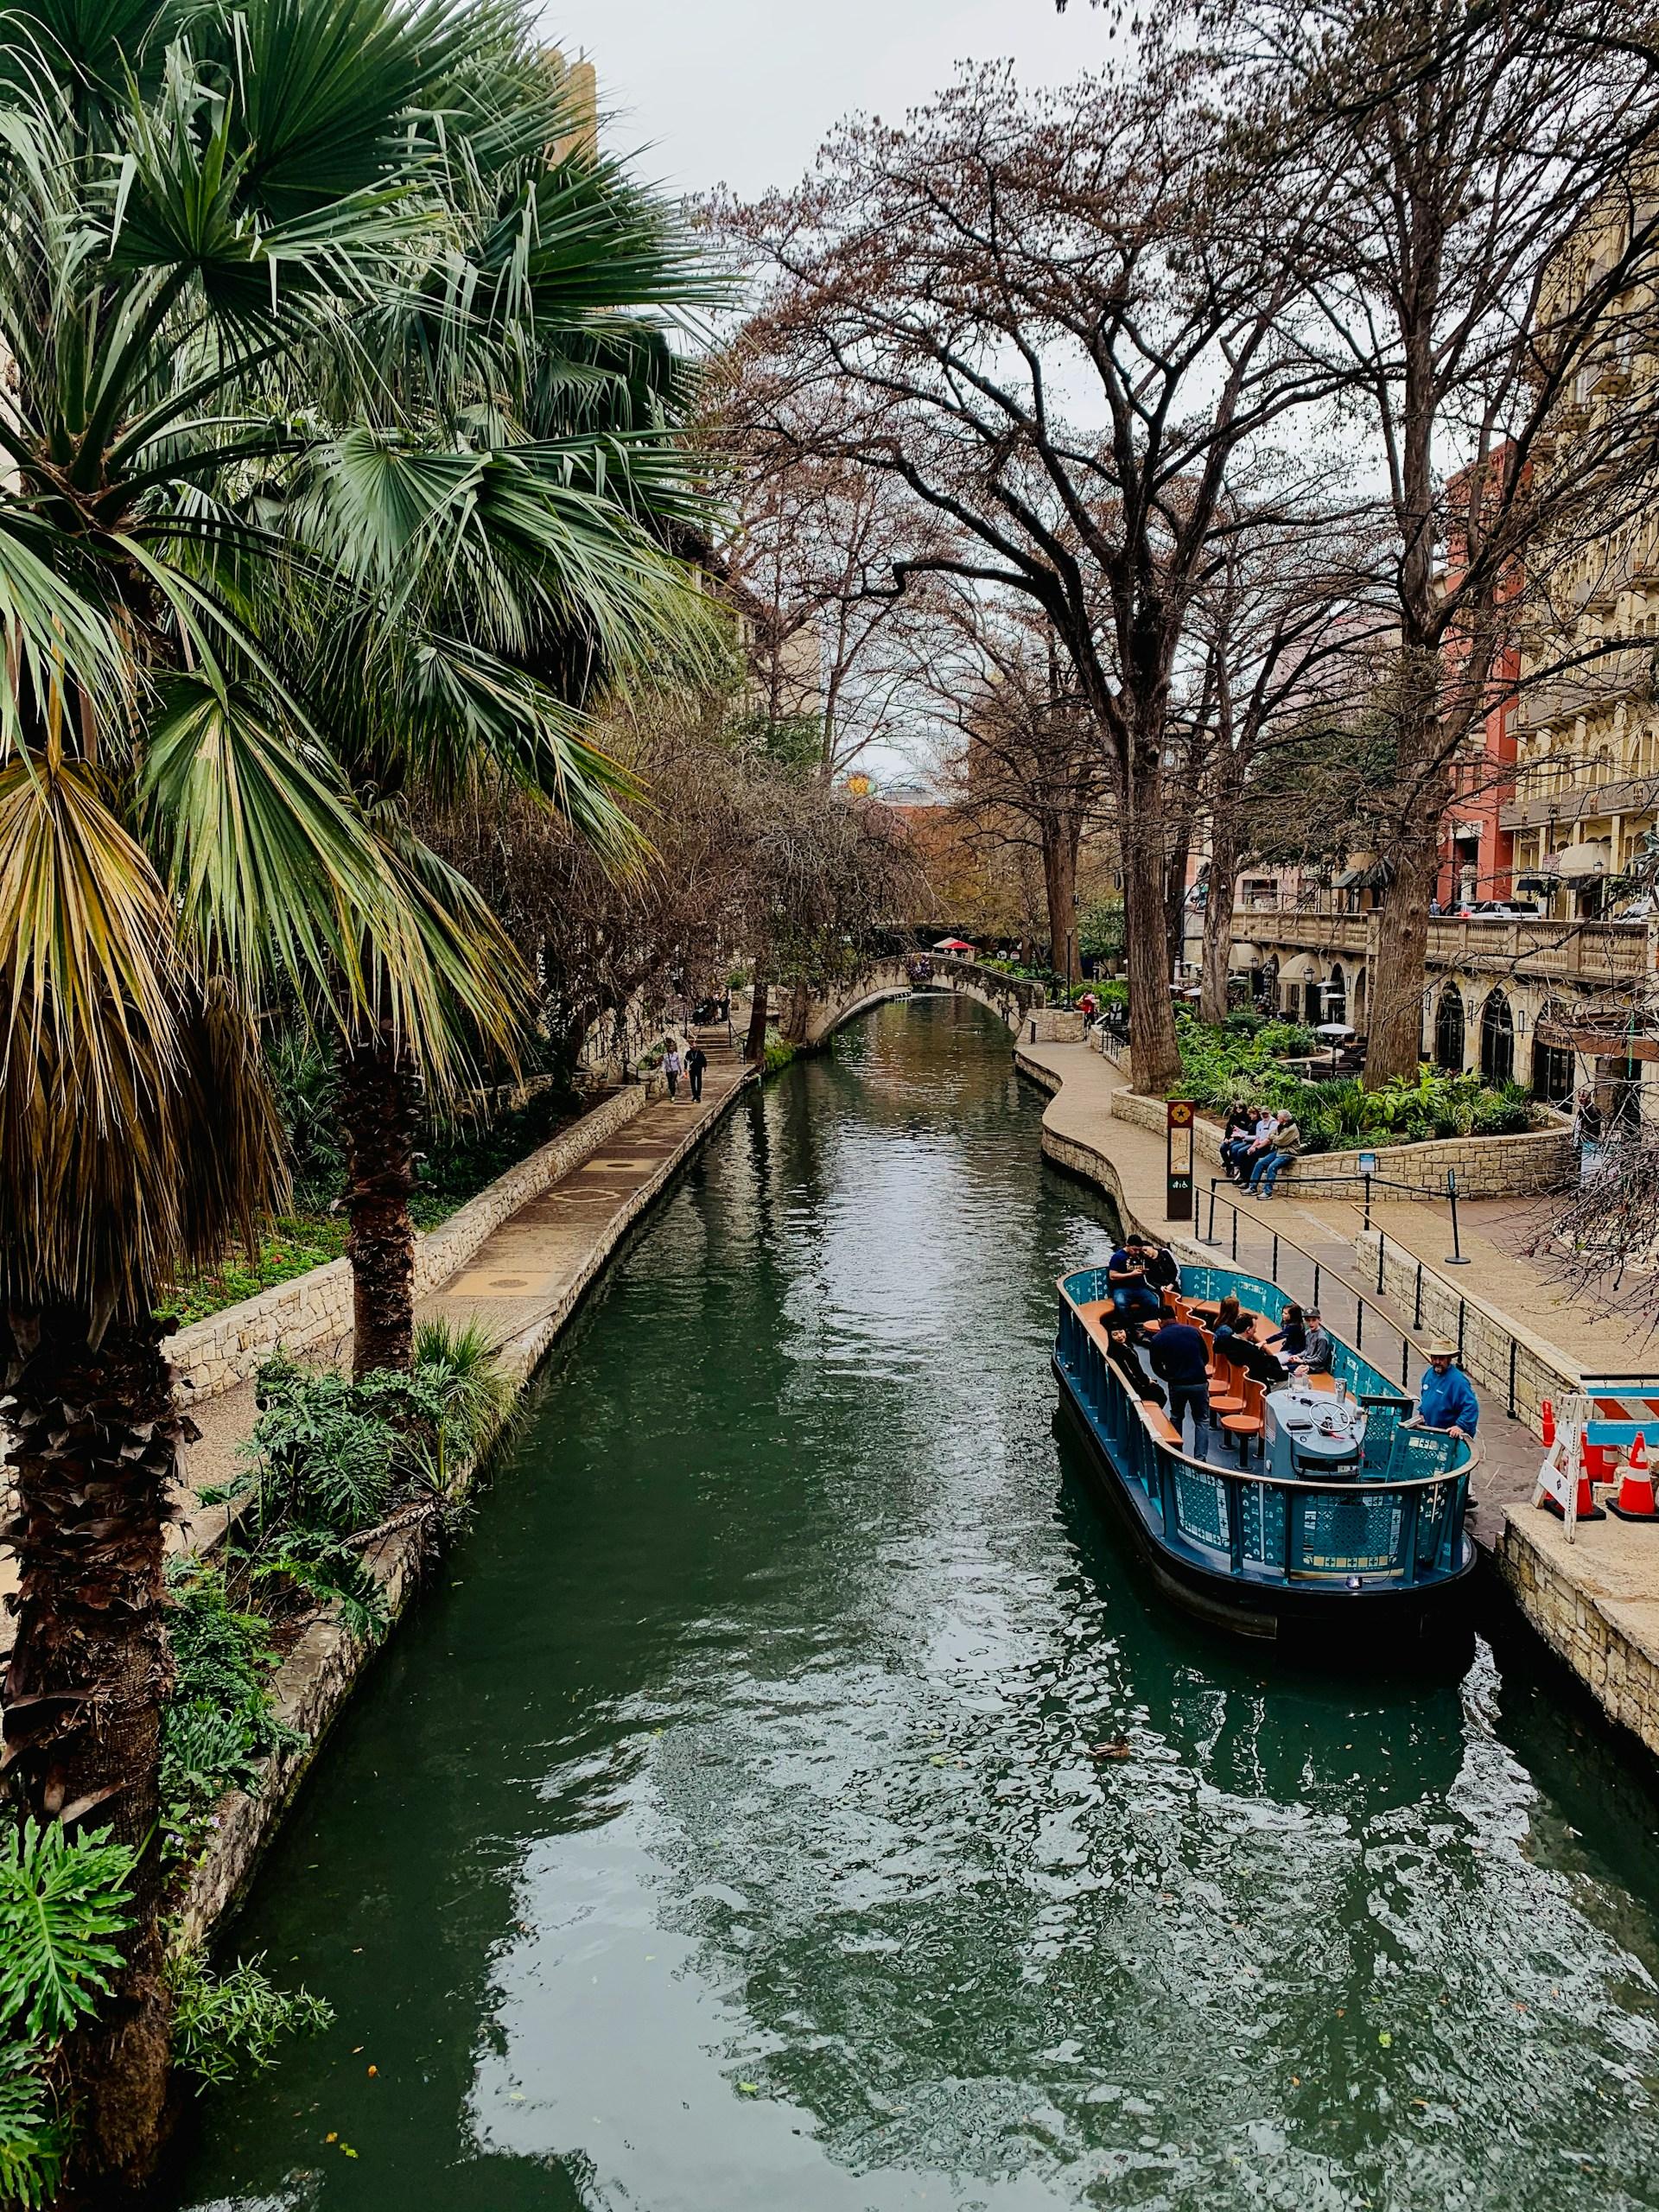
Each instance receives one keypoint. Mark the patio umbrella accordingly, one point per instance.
(955, 945)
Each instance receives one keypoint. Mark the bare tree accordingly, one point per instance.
(1482, 238)
(809, 555)
(1028, 768)
(1288, 625)
(1055, 321)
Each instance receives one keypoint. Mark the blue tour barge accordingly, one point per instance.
(1374, 1553)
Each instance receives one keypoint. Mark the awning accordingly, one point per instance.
(1534, 882)
(1348, 879)
(1372, 877)
(1589, 857)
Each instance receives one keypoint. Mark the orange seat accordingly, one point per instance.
(1248, 1424)
(1323, 1383)
(1161, 1425)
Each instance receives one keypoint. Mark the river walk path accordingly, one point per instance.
(1596, 1598)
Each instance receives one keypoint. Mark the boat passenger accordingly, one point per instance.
(1446, 1399)
(1234, 1341)
(1289, 1340)
(1179, 1354)
(1162, 1270)
(1318, 1355)
(1126, 1274)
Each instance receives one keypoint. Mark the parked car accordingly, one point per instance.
(1497, 910)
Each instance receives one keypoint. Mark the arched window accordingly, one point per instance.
(1336, 994)
(1497, 1040)
(1448, 1030)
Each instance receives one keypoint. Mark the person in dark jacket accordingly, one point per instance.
(1289, 1340)
(696, 1061)
(1162, 1270)
(1233, 1340)
(1318, 1355)
(1179, 1355)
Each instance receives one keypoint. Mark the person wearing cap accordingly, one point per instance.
(1446, 1399)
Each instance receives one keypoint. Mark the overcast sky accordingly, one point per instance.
(741, 91)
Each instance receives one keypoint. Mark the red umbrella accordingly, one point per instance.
(955, 945)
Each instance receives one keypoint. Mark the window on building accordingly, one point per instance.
(1448, 1030)
(1496, 1040)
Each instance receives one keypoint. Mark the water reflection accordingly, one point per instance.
(729, 1837)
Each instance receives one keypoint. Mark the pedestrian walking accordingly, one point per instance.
(696, 1061)
(673, 1066)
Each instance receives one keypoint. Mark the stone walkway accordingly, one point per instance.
(522, 1285)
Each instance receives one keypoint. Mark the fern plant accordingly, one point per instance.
(31, 2137)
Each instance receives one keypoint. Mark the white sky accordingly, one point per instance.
(742, 91)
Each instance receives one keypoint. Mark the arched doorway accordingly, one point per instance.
(1267, 984)
(1448, 1030)
(1336, 994)
(1555, 1068)
(1496, 1040)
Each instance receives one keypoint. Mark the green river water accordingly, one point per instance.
(720, 1835)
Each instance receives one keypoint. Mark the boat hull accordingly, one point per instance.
(1370, 1625)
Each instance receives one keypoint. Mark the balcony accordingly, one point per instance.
(1579, 802)
(1590, 953)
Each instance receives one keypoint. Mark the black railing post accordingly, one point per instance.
(1234, 1228)
(1274, 1270)
(1381, 1250)
(1316, 1285)
(1454, 1258)
(1417, 1309)
(1462, 1310)
(1513, 1348)
(1210, 1238)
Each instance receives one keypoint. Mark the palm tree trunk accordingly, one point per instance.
(379, 1098)
(96, 1439)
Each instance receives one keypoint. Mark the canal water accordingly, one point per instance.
(723, 1834)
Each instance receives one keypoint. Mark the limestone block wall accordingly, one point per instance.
(1487, 1167)
(1616, 1662)
(316, 1308)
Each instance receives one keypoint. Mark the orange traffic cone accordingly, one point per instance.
(1546, 1419)
(1635, 1501)
(1586, 1508)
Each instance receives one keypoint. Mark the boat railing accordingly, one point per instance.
(1399, 1519)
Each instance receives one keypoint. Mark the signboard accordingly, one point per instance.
(1177, 1169)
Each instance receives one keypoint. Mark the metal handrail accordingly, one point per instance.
(1321, 1268)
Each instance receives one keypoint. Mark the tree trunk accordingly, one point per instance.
(754, 1045)
(1060, 841)
(795, 1021)
(379, 1099)
(1218, 913)
(1394, 1020)
(96, 1439)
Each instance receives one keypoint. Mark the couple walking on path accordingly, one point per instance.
(690, 1065)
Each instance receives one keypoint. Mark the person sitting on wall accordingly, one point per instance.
(1447, 1398)
(1132, 1295)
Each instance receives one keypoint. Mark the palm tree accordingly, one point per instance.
(227, 233)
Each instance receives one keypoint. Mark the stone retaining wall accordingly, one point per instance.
(316, 1308)
(1487, 1167)
(1619, 1669)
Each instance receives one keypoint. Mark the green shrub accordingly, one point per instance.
(779, 1053)
(225, 2023)
(459, 1390)
(62, 1898)
(31, 2137)
(220, 1722)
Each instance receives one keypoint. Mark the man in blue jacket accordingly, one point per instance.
(1179, 1357)
(1447, 1398)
